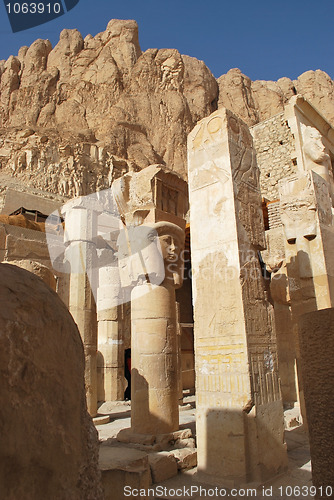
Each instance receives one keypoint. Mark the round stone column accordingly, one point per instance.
(154, 343)
(80, 237)
(154, 374)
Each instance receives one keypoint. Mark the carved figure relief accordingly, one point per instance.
(171, 74)
(208, 132)
(251, 216)
(243, 159)
(251, 282)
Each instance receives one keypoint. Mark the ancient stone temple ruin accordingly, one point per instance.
(187, 260)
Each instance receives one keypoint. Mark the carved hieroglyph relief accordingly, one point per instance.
(236, 368)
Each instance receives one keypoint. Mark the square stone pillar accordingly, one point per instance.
(306, 213)
(239, 409)
(316, 337)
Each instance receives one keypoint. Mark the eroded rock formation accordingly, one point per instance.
(73, 116)
(256, 101)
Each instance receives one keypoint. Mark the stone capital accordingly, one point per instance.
(153, 194)
(305, 202)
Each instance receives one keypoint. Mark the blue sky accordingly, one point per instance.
(265, 39)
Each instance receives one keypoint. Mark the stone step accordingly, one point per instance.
(121, 467)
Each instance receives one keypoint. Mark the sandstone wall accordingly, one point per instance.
(22, 246)
(274, 146)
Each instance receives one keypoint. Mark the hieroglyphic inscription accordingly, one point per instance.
(209, 131)
(228, 294)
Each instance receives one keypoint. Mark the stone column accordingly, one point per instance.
(154, 345)
(240, 435)
(154, 381)
(110, 342)
(274, 258)
(179, 353)
(152, 203)
(306, 212)
(80, 236)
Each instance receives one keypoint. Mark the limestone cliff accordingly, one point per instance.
(75, 117)
(256, 101)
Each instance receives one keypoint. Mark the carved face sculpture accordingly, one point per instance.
(299, 219)
(314, 148)
(298, 208)
(169, 248)
(317, 156)
(171, 239)
(151, 254)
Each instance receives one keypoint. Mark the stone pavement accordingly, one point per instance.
(296, 483)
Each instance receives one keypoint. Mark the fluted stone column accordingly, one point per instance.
(179, 353)
(154, 376)
(80, 236)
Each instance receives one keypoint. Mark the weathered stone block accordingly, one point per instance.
(121, 467)
(20, 248)
(127, 436)
(163, 466)
(47, 433)
(2, 237)
(186, 458)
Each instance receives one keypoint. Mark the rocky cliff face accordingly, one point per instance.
(256, 101)
(75, 117)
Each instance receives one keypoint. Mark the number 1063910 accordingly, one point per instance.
(33, 8)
